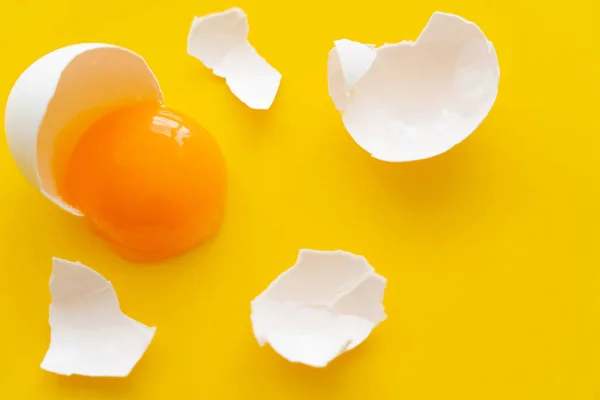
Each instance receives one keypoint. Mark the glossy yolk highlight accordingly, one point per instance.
(150, 181)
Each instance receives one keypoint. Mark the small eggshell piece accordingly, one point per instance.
(348, 62)
(220, 42)
(90, 335)
(324, 305)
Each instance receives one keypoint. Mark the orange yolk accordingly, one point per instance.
(150, 181)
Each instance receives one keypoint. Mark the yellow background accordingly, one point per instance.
(491, 250)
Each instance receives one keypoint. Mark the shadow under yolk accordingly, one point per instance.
(151, 182)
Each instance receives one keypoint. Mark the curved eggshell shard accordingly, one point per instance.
(419, 99)
(90, 335)
(220, 42)
(348, 62)
(324, 305)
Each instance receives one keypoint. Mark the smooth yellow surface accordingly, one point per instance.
(491, 250)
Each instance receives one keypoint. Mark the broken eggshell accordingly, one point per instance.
(414, 100)
(348, 62)
(90, 335)
(324, 305)
(61, 94)
(220, 42)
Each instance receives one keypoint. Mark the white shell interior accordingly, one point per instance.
(220, 42)
(90, 335)
(416, 100)
(326, 304)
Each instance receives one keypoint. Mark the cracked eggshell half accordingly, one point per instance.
(415, 100)
(60, 95)
(90, 335)
(326, 304)
(220, 42)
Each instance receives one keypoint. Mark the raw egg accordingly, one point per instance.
(149, 180)
(87, 126)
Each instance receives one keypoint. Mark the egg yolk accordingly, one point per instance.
(150, 181)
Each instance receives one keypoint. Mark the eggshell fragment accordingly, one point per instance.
(324, 305)
(415, 100)
(60, 95)
(348, 62)
(89, 333)
(220, 42)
